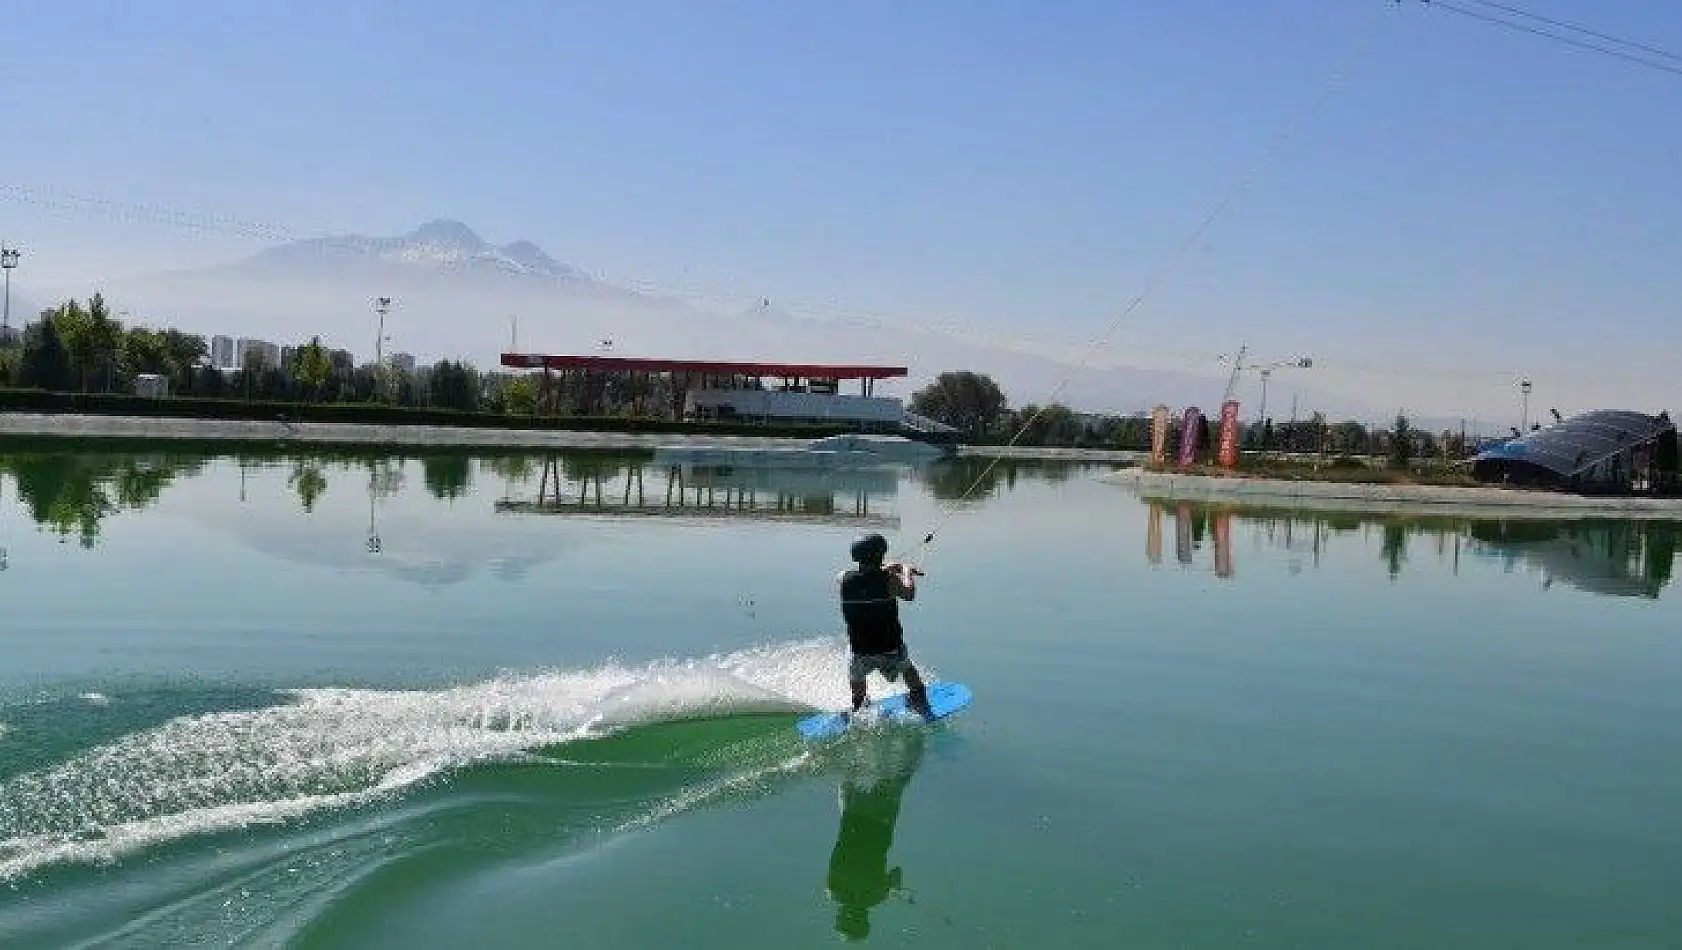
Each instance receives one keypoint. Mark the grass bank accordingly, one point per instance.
(1343, 469)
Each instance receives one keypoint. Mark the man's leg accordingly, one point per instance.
(857, 670)
(917, 696)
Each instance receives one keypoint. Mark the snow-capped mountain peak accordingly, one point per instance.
(441, 243)
(446, 233)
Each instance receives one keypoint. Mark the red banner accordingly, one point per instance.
(1229, 433)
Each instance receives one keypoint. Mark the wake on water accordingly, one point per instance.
(332, 748)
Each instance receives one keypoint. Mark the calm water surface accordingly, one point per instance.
(548, 701)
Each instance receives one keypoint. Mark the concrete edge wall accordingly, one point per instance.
(1399, 499)
(306, 433)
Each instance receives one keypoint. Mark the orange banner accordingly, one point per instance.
(1222, 534)
(1159, 435)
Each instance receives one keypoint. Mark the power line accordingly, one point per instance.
(1579, 29)
(1569, 41)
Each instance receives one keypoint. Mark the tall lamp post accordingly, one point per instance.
(382, 306)
(8, 260)
(1524, 410)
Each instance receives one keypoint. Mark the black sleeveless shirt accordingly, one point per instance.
(871, 611)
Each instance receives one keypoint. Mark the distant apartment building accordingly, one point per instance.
(342, 362)
(222, 352)
(403, 363)
(258, 354)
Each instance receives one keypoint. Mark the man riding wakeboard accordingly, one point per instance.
(870, 595)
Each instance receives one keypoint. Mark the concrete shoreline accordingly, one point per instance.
(1416, 500)
(162, 428)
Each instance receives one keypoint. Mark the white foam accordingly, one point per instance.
(4, 729)
(333, 748)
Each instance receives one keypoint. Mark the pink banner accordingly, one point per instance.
(1189, 430)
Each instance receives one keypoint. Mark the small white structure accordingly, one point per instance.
(151, 386)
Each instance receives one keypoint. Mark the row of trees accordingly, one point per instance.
(82, 347)
(975, 405)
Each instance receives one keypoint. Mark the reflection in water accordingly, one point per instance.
(72, 488)
(71, 493)
(448, 475)
(786, 492)
(977, 478)
(309, 481)
(1600, 556)
(859, 879)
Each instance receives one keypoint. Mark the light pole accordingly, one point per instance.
(382, 306)
(1524, 411)
(8, 260)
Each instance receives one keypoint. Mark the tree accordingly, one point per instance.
(516, 396)
(1401, 442)
(453, 385)
(311, 368)
(46, 360)
(969, 402)
(143, 351)
(93, 338)
(1055, 425)
(183, 352)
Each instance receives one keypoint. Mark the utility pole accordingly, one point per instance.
(1524, 411)
(8, 260)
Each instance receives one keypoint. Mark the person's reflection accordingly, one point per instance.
(859, 877)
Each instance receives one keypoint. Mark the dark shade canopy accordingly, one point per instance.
(1575, 445)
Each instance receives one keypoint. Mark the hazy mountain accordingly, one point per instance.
(455, 295)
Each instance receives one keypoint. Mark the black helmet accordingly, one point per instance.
(870, 549)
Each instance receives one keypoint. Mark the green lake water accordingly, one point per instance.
(346, 701)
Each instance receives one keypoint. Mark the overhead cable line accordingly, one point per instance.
(1675, 70)
(1632, 44)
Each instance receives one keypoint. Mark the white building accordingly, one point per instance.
(222, 352)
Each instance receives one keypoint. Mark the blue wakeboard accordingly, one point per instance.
(944, 700)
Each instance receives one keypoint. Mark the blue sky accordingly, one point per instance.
(1469, 202)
